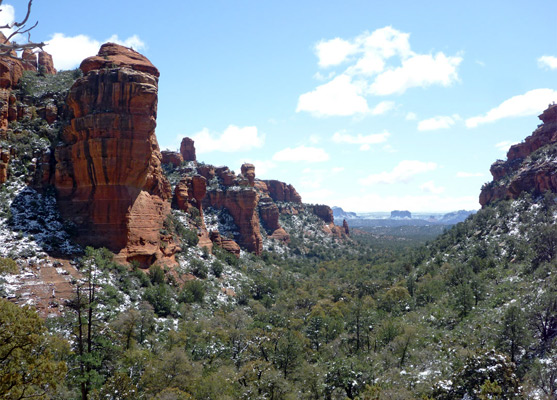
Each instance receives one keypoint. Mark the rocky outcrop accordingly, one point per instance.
(172, 157)
(46, 65)
(187, 149)
(4, 161)
(11, 71)
(324, 212)
(227, 244)
(269, 214)
(526, 169)
(345, 227)
(280, 191)
(241, 204)
(29, 60)
(108, 167)
(248, 172)
(190, 192)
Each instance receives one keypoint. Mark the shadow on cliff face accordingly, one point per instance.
(35, 216)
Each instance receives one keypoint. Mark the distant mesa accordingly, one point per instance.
(340, 214)
(398, 214)
(530, 166)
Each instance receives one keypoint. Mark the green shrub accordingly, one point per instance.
(193, 292)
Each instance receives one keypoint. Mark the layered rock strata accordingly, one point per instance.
(527, 168)
(108, 168)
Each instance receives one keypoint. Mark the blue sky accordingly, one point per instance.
(371, 106)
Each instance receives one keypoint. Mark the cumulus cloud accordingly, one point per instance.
(68, 51)
(334, 51)
(529, 103)
(421, 70)
(339, 97)
(549, 62)
(301, 153)
(365, 65)
(439, 122)
(429, 187)
(402, 173)
(232, 139)
(469, 174)
(365, 141)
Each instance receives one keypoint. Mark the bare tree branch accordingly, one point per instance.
(7, 47)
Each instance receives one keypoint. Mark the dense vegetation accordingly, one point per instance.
(472, 313)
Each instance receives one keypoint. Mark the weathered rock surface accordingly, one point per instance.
(46, 65)
(29, 60)
(190, 192)
(345, 227)
(280, 191)
(112, 55)
(108, 168)
(187, 149)
(4, 161)
(172, 157)
(241, 204)
(11, 71)
(269, 213)
(523, 171)
(248, 172)
(227, 244)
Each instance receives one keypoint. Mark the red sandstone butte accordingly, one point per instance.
(108, 166)
(187, 149)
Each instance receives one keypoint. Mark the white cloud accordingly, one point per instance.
(411, 116)
(233, 139)
(339, 97)
(429, 187)
(504, 145)
(469, 174)
(420, 70)
(365, 142)
(529, 103)
(402, 173)
(333, 52)
(549, 62)
(368, 70)
(68, 51)
(439, 122)
(301, 153)
(337, 170)
(383, 107)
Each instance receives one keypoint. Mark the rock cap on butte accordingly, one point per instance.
(114, 55)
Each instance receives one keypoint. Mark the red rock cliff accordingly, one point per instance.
(108, 169)
(521, 172)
